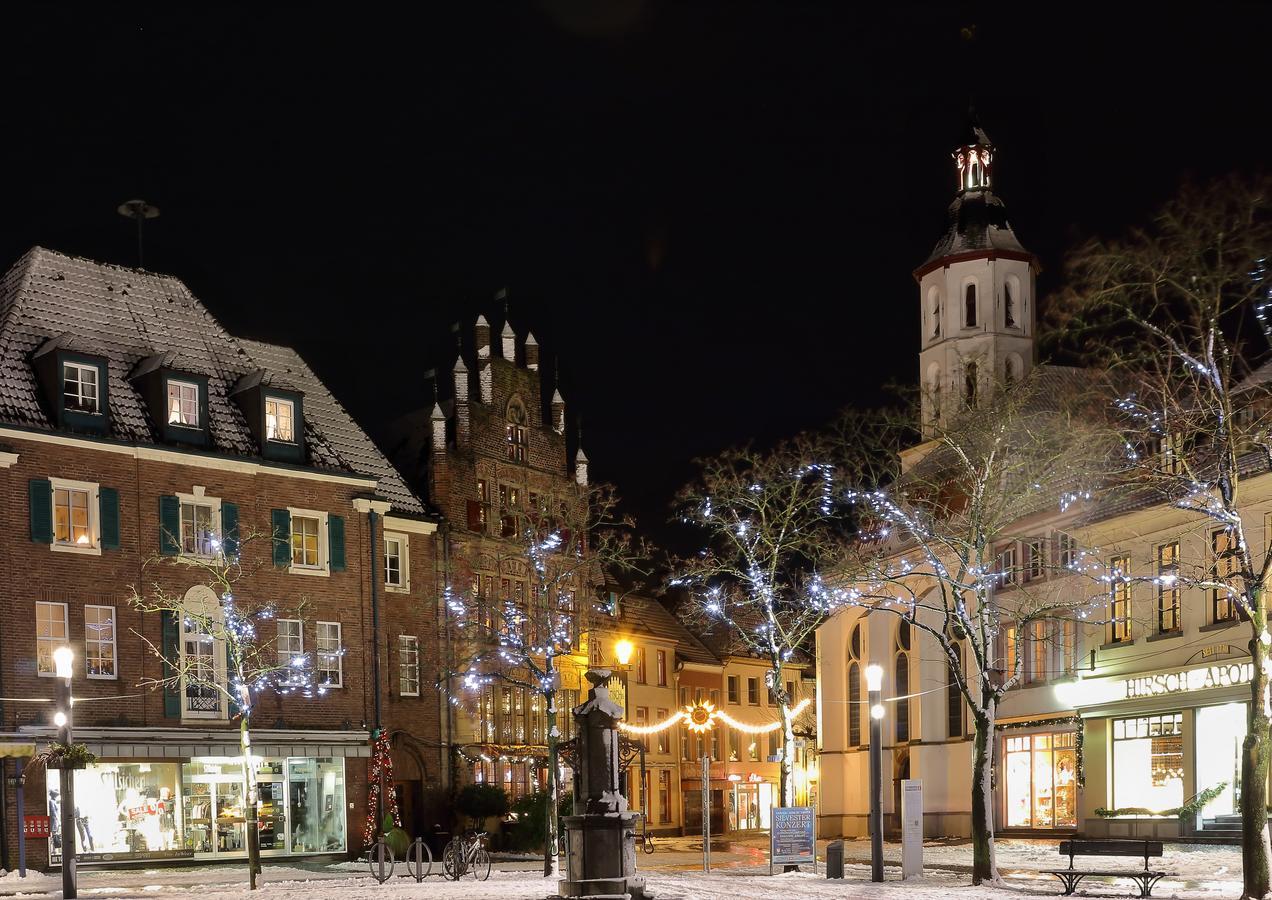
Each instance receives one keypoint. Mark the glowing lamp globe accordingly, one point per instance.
(876, 711)
(63, 657)
(59, 719)
(623, 651)
(874, 677)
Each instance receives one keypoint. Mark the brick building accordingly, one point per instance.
(135, 431)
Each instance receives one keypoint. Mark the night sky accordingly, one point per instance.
(707, 212)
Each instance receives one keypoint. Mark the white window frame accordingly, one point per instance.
(404, 562)
(94, 547)
(199, 499)
(321, 655)
(180, 383)
(52, 642)
(409, 644)
(291, 405)
(197, 600)
(91, 638)
(323, 567)
(97, 386)
(286, 656)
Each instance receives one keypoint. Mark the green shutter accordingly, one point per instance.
(170, 641)
(40, 491)
(169, 525)
(229, 529)
(336, 543)
(280, 520)
(108, 502)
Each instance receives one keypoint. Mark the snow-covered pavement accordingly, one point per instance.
(1205, 873)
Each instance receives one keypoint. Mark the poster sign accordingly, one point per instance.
(911, 827)
(791, 837)
(35, 827)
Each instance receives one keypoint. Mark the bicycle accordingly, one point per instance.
(464, 854)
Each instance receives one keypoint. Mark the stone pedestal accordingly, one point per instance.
(600, 838)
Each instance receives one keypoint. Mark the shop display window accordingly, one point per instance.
(125, 810)
(1041, 780)
(1148, 762)
(316, 789)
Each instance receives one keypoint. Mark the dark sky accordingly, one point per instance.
(708, 211)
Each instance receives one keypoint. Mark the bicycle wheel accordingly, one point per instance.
(481, 864)
(451, 857)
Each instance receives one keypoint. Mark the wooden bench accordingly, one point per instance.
(1145, 878)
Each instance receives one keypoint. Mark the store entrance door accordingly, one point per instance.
(1220, 731)
(215, 814)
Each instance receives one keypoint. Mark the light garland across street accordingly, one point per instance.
(701, 717)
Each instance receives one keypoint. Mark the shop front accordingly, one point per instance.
(1040, 780)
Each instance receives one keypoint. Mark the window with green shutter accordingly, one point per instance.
(169, 525)
(108, 501)
(336, 542)
(229, 529)
(40, 491)
(280, 523)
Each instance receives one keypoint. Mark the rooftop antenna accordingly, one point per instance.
(141, 211)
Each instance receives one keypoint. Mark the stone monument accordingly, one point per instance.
(600, 838)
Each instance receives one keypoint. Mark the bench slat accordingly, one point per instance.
(1110, 848)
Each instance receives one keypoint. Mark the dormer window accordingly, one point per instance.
(79, 388)
(280, 420)
(183, 403)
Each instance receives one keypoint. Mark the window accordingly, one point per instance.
(934, 311)
(664, 795)
(662, 735)
(1007, 565)
(1168, 597)
(99, 642)
(1039, 651)
(75, 525)
(479, 509)
(1119, 599)
(396, 569)
(1035, 559)
(308, 540)
(408, 665)
(515, 430)
(735, 745)
(953, 698)
(1009, 305)
(686, 746)
(79, 388)
(854, 704)
(203, 659)
(1040, 771)
(183, 403)
(1148, 761)
(290, 645)
(198, 526)
(330, 653)
(1224, 606)
(1010, 654)
(901, 673)
(753, 749)
(1066, 550)
(753, 691)
(50, 633)
(642, 721)
(790, 693)
(280, 420)
(732, 682)
(1166, 454)
(640, 665)
(662, 668)
(509, 503)
(774, 748)
(969, 305)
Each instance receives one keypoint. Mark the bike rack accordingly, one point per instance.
(415, 860)
(378, 854)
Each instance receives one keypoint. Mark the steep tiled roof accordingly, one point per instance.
(129, 316)
(977, 220)
(642, 615)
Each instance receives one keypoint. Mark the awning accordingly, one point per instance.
(182, 743)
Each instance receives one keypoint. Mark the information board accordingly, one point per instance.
(791, 837)
(911, 827)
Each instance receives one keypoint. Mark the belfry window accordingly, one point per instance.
(969, 304)
(1009, 305)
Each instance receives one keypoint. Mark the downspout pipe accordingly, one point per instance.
(375, 624)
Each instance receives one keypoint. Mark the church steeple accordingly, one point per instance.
(976, 289)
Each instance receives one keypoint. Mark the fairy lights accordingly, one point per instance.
(701, 717)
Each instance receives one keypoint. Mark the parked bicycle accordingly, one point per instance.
(467, 853)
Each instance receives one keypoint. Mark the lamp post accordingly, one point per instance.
(63, 657)
(623, 649)
(874, 688)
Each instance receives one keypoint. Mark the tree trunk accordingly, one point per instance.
(551, 851)
(1255, 850)
(249, 791)
(984, 866)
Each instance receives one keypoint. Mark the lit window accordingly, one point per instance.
(198, 528)
(305, 541)
(99, 641)
(280, 420)
(1168, 595)
(1035, 559)
(183, 404)
(408, 665)
(329, 654)
(753, 691)
(1227, 563)
(290, 646)
(1119, 599)
(1148, 761)
(202, 661)
(732, 682)
(396, 564)
(1066, 550)
(79, 388)
(72, 516)
(50, 633)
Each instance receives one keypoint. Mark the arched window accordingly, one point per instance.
(854, 687)
(934, 312)
(901, 680)
(969, 305)
(1009, 303)
(970, 379)
(202, 653)
(516, 430)
(953, 698)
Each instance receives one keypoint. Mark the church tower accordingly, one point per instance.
(977, 293)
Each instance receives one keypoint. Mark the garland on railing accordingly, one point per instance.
(1078, 757)
(1189, 809)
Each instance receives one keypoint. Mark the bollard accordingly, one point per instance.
(835, 859)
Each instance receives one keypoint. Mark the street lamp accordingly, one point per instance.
(874, 689)
(623, 651)
(63, 658)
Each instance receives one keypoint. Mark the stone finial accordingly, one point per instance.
(439, 427)
(461, 381)
(558, 412)
(486, 383)
(482, 334)
(509, 340)
(532, 352)
(580, 467)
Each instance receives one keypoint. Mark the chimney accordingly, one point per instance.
(461, 401)
(532, 352)
(558, 412)
(509, 343)
(580, 467)
(482, 333)
(439, 429)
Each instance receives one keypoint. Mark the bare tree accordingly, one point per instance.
(231, 654)
(770, 526)
(1178, 312)
(932, 547)
(564, 550)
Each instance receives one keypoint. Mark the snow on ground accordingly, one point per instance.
(1206, 873)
